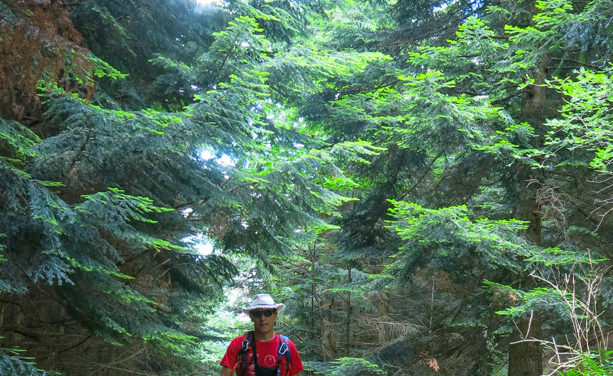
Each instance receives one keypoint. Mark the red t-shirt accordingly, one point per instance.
(267, 356)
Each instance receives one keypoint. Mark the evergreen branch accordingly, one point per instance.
(79, 343)
(80, 151)
(223, 63)
(428, 171)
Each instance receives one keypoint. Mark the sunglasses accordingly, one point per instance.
(258, 313)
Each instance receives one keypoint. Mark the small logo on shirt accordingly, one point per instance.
(269, 361)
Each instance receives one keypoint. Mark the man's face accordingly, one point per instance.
(263, 319)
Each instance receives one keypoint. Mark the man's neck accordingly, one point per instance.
(264, 337)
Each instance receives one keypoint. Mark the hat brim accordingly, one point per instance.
(279, 307)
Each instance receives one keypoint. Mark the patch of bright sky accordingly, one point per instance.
(284, 116)
(224, 160)
(201, 243)
(210, 3)
(444, 6)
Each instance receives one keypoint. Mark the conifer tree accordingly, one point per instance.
(429, 154)
(98, 208)
(458, 120)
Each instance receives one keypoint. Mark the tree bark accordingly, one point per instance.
(348, 330)
(525, 353)
(525, 356)
(313, 290)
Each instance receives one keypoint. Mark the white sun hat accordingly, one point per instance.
(263, 301)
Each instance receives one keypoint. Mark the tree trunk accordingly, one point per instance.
(348, 330)
(525, 354)
(525, 357)
(313, 290)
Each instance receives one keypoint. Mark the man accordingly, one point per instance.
(272, 351)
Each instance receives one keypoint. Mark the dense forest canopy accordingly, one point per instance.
(426, 184)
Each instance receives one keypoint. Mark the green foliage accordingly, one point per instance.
(13, 363)
(235, 48)
(16, 141)
(425, 19)
(103, 69)
(281, 21)
(355, 366)
(346, 366)
(584, 128)
(343, 155)
(92, 248)
(468, 58)
(549, 22)
(439, 236)
(592, 364)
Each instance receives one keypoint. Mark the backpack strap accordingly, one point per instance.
(248, 341)
(283, 352)
(242, 354)
(254, 352)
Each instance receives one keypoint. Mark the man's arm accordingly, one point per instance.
(225, 371)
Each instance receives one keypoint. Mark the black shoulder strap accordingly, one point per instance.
(254, 353)
(242, 354)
